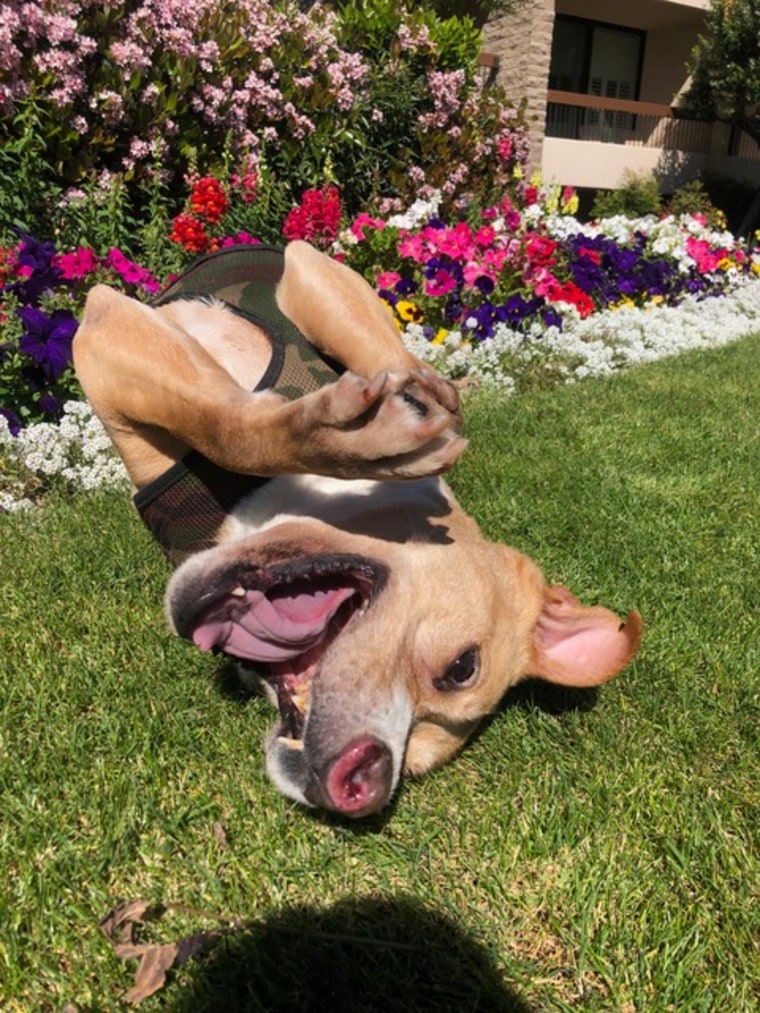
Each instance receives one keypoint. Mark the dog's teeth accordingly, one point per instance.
(299, 703)
(301, 699)
(296, 744)
(238, 592)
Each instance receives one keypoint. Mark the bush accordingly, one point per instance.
(637, 196)
(692, 199)
(373, 98)
(732, 196)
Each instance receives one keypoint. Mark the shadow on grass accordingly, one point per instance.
(359, 956)
(550, 698)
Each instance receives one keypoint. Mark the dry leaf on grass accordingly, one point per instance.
(156, 959)
(220, 836)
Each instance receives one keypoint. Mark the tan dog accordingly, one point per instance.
(369, 605)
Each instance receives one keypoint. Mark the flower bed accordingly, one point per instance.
(500, 299)
(515, 270)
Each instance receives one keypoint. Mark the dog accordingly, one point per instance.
(286, 451)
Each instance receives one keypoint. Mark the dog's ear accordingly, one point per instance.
(577, 645)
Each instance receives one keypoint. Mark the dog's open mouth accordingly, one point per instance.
(281, 619)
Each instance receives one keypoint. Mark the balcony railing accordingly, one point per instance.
(638, 124)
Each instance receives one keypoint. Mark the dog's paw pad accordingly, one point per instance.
(419, 406)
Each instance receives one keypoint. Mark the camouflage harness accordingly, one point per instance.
(185, 507)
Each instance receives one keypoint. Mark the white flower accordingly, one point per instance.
(77, 450)
(601, 344)
(419, 213)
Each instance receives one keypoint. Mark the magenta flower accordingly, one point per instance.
(362, 222)
(388, 279)
(413, 247)
(131, 272)
(241, 239)
(77, 264)
(441, 283)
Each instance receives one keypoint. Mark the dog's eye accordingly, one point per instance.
(460, 673)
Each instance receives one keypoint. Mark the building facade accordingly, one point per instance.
(602, 81)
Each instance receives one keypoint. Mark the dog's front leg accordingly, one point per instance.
(159, 392)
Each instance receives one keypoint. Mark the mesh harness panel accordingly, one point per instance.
(185, 507)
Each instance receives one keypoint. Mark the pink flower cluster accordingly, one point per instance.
(221, 56)
(84, 262)
(706, 257)
(470, 275)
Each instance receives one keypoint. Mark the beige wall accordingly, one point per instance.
(666, 55)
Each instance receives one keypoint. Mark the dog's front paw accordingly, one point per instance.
(397, 425)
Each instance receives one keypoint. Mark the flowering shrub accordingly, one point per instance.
(136, 89)
(125, 76)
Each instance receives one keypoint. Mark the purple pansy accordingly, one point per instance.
(406, 287)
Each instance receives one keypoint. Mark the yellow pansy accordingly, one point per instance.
(408, 312)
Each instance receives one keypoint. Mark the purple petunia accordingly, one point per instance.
(51, 406)
(34, 253)
(47, 339)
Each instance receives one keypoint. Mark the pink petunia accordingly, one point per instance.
(413, 247)
(456, 242)
(362, 222)
(388, 279)
(77, 264)
(485, 236)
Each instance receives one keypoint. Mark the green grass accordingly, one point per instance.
(588, 851)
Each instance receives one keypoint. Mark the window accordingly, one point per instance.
(591, 58)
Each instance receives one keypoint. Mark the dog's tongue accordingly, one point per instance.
(253, 627)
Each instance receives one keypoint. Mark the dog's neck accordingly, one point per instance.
(393, 511)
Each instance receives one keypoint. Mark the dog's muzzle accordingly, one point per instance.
(279, 620)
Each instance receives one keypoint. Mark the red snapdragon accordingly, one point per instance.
(316, 218)
(190, 233)
(208, 200)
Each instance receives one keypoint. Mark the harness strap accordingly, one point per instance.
(186, 506)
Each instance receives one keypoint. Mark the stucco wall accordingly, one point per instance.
(667, 53)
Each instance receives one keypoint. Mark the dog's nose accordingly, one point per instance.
(359, 781)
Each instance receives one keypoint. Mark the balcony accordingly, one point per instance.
(590, 141)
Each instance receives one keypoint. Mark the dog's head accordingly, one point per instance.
(382, 662)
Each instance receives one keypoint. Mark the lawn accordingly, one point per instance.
(588, 851)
